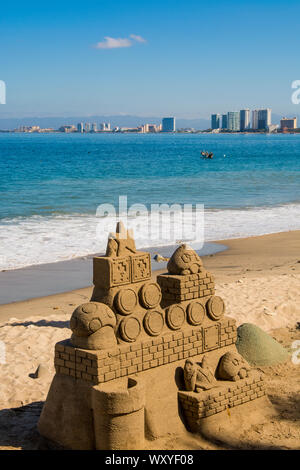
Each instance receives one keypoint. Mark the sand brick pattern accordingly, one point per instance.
(190, 286)
(103, 366)
(204, 404)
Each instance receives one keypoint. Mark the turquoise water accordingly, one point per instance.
(51, 186)
(51, 174)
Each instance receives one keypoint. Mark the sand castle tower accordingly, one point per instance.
(148, 358)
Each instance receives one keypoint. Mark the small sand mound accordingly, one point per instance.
(259, 348)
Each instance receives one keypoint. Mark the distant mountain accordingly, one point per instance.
(120, 121)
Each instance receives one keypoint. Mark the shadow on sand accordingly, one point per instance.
(43, 323)
(18, 427)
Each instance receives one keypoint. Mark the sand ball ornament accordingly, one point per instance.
(184, 261)
(93, 325)
(233, 366)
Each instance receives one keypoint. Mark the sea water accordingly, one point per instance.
(52, 184)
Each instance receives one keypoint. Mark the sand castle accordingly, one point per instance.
(147, 358)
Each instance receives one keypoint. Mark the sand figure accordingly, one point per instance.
(198, 376)
(233, 367)
(184, 261)
(120, 243)
(92, 325)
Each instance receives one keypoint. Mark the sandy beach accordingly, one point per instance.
(258, 278)
(149, 229)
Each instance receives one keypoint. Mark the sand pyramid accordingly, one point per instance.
(258, 348)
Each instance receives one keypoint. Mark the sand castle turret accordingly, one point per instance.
(147, 358)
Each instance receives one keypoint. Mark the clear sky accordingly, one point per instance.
(187, 59)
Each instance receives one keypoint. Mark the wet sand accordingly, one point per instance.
(42, 280)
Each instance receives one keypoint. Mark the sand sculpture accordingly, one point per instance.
(198, 377)
(147, 358)
(232, 367)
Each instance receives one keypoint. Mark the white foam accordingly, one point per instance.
(39, 240)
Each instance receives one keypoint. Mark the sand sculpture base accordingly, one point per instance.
(114, 399)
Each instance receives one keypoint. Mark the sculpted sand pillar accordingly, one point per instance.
(119, 415)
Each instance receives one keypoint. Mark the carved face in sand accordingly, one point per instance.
(233, 367)
(189, 367)
(184, 261)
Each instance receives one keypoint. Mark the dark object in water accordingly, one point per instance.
(207, 154)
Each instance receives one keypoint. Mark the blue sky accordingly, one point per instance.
(189, 59)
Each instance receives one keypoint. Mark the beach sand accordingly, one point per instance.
(258, 278)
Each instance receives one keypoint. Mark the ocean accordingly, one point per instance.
(51, 186)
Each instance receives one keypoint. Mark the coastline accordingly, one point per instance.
(275, 254)
(41, 280)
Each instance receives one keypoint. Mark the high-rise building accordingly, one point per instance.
(80, 127)
(264, 118)
(224, 121)
(168, 124)
(261, 119)
(233, 121)
(87, 127)
(94, 127)
(152, 128)
(105, 126)
(215, 121)
(288, 123)
(255, 119)
(244, 119)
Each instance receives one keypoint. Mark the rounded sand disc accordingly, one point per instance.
(95, 325)
(195, 313)
(126, 301)
(215, 307)
(150, 295)
(89, 307)
(153, 322)
(130, 329)
(175, 316)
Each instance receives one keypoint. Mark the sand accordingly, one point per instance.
(258, 278)
(258, 348)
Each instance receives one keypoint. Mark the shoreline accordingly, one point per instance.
(251, 257)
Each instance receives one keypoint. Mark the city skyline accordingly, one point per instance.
(130, 59)
(232, 121)
(241, 121)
